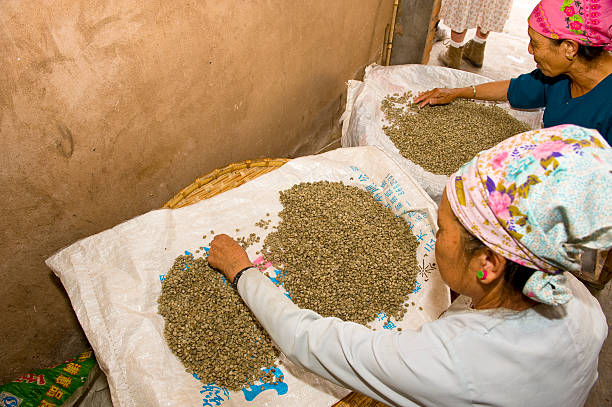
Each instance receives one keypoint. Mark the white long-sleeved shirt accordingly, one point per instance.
(543, 356)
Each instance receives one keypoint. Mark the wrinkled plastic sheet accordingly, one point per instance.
(363, 119)
(114, 279)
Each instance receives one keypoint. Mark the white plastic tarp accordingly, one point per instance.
(363, 120)
(114, 279)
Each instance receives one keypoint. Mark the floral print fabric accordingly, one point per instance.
(539, 198)
(489, 15)
(588, 22)
(547, 288)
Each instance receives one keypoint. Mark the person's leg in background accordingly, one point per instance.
(453, 14)
(474, 49)
(453, 54)
(461, 15)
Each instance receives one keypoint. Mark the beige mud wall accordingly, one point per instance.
(108, 108)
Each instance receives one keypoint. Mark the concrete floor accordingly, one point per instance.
(506, 56)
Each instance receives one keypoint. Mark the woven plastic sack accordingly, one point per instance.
(114, 279)
(59, 385)
(363, 120)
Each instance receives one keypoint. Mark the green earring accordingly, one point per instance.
(482, 274)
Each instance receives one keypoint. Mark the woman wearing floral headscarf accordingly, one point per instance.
(570, 42)
(511, 222)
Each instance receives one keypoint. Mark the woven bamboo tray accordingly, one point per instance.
(223, 179)
(232, 176)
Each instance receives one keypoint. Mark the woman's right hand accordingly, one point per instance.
(437, 96)
(227, 256)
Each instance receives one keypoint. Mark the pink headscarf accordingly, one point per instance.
(589, 22)
(540, 199)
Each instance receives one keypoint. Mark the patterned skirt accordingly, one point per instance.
(489, 15)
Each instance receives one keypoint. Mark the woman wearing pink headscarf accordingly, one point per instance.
(570, 43)
(524, 332)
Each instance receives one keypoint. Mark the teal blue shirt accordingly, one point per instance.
(592, 110)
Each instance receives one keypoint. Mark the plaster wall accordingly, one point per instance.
(108, 108)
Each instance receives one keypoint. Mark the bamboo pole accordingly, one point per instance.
(383, 59)
(391, 31)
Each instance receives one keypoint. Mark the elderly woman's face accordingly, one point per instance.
(450, 255)
(548, 56)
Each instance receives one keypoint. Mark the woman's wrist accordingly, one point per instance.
(238, 275)
(235, 274)
(467, 93)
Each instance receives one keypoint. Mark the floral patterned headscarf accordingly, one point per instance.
(539, 199)
(589, 22)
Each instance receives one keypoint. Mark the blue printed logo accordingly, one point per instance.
(381, 317)
(389, 325)
(255, 389)
(212, 395)
(9, 400)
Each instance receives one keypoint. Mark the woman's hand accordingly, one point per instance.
(437, 96)
(227, 256)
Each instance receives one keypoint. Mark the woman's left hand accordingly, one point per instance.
(227, 256)
(437, 96)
